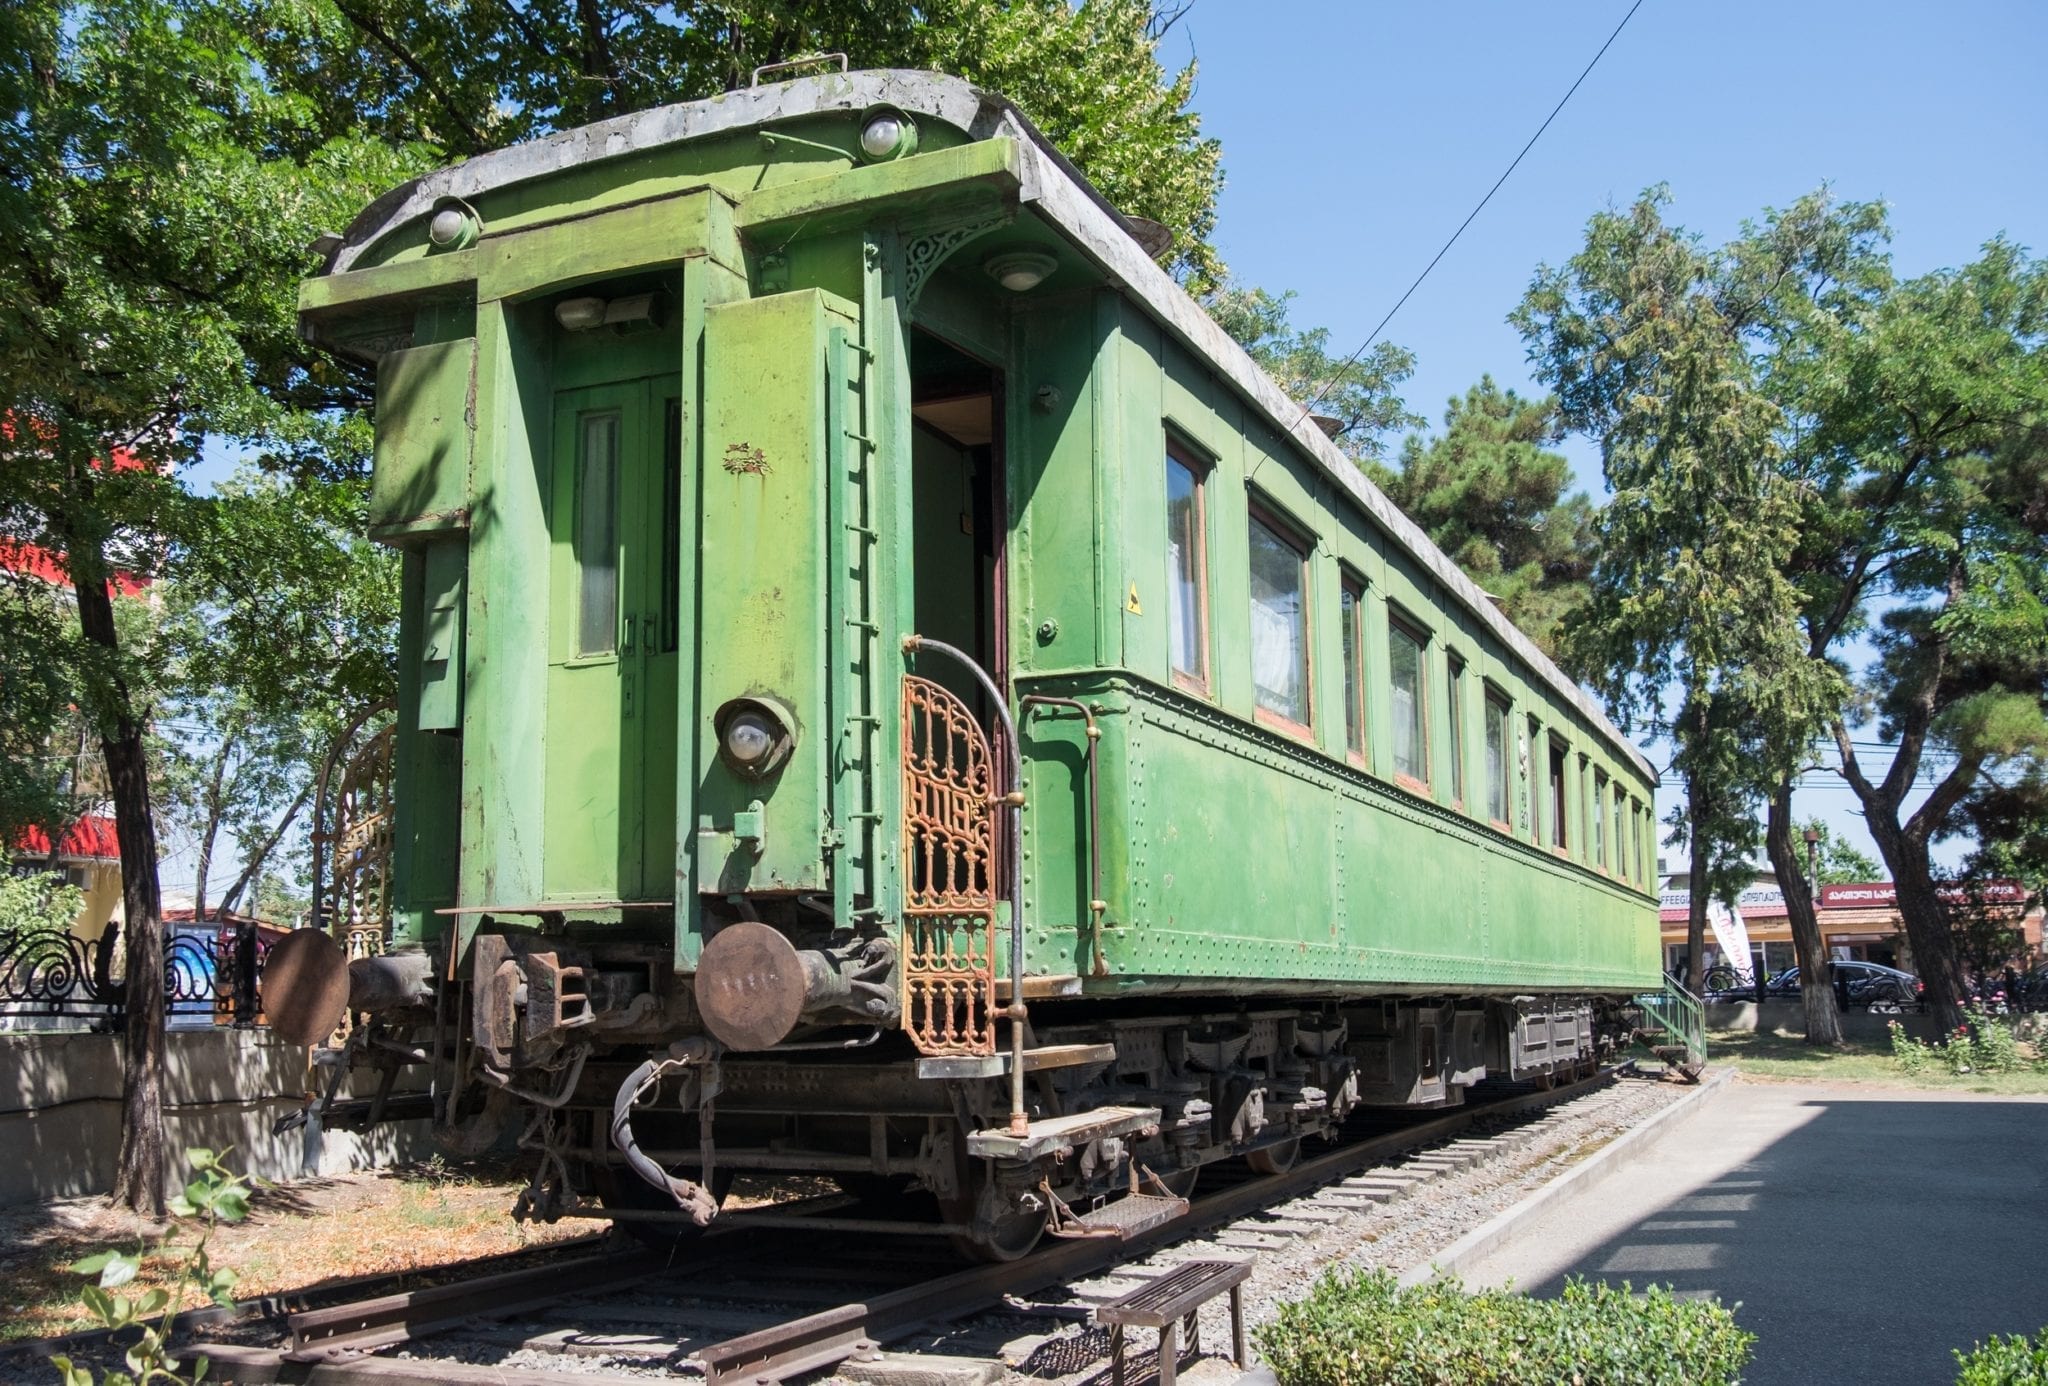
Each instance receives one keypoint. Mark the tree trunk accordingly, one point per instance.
(1696, 902)
(139, 1174)
(1926, 918)
(231, 900)
(212, 828)
(1823, 1020)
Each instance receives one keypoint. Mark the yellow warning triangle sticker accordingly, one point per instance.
(1132, 605)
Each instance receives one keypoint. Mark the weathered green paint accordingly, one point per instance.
(762, 564)
(425, 435)
(797, 500)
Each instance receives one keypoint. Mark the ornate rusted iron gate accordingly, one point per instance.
(949, 851)
(352, 836)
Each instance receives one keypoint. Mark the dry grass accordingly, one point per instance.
(296, 1237)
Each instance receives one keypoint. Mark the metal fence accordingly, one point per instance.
(52, 980)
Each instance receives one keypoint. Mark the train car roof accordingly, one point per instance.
(1058, 192)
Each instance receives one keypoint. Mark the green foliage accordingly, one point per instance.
(2002, 1361)
(1840, 862)
(214, 1195)
(1365, 401)
(1983, 1043)
(1655, 345)
(35, 901)
(466, 79)
(1360, 1328)
(1489, 493)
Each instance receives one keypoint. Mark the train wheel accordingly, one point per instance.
(1001, 1231)
(1274, 1159)
(627, 1192)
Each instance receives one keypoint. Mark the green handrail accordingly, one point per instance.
(1681, 1016)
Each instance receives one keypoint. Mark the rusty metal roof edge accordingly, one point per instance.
(978, 113)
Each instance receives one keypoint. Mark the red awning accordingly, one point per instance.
(91, 837)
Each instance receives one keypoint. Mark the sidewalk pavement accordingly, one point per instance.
(1865, 1231)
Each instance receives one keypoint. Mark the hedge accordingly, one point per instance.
(2014, 1361)
(1363, 1329)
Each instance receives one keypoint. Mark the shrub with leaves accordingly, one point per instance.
(1361, 1328)
(2014, 1361)
(214, 1195)
(1984, 1043)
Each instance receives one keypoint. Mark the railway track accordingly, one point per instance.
(763, 1304)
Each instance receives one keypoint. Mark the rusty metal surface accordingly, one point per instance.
(949, 851)
(305, 986)
(352, 827)
(750, 986)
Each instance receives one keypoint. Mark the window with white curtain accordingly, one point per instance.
(1279, 592)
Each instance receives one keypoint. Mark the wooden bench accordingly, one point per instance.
(1165, 1302)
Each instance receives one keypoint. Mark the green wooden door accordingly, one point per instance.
(613, 637)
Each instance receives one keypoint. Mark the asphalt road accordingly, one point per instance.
(1865, 1232)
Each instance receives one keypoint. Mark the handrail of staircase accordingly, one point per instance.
(1013, 799)
(1682, 1015)
(1097, 906)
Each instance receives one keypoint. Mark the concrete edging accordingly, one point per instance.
(1603, 1162)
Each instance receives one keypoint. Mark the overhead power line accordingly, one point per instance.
(1352, 359)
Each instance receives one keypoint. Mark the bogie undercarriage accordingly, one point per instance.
(597, 1059)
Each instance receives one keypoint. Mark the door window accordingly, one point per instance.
(597, 536)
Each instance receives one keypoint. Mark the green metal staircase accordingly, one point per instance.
(1674, 1025)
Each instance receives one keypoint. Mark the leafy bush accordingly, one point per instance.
(1363, 1329)
(2013, 1361)
(1985, 1043)
(215, 1195)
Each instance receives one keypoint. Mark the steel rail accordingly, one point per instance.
(835, 1335)
(326, 1342)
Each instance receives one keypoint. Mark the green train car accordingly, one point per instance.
(891, 690)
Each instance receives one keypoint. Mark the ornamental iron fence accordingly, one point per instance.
(50, 979)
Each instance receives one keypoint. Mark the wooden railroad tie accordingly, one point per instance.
(1166, 1302)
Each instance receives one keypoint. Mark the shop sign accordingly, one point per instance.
(1762, 899)
(1879, 893)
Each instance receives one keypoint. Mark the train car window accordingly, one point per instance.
(1559, 762)
(1497, 759)
(1279, 592)
(1456, 729)
(1411, 700)
(1600, 820)
(597, 540)
(1352, 614)
(1532, 817)
(1187, 582)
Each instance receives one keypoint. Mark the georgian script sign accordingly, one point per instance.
(1880, 893)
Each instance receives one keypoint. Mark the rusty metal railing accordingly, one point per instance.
(1011, 796)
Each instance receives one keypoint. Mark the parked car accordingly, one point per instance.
(1872, 985)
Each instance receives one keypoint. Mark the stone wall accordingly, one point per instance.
(60, 1111)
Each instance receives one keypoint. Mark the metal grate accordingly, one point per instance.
(949, 851)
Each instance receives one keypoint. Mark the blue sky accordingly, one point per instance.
(1357, 136)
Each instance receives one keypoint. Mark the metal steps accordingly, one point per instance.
(1035, 1060)
(1059, 1135)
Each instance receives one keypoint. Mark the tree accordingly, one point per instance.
(1838, 861)
(271, 579)
(1363, 399)
(1690, 626)
(1488, 492)
(156, 200)
(1924, 457)
(35, 902)
(470, 78)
